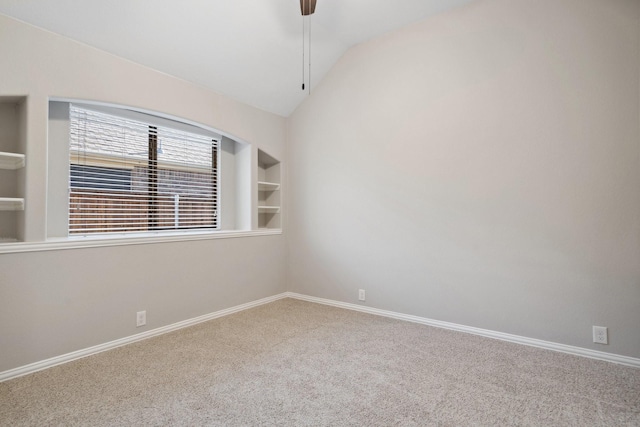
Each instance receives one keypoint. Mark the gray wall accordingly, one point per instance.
(55, 302)
(482, 168)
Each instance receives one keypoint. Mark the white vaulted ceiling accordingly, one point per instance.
(249, 50)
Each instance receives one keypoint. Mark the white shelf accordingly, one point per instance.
(268, 186)
(11, 160)
(269, 193)
(268, 209)
(11, 204)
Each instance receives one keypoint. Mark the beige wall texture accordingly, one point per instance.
(482, 168)
(56, 302)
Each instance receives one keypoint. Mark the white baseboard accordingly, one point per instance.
(547, 345)
(58, 360)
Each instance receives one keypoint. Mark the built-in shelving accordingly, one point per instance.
(11, 204)
(12, 179)
(268, 186)
(11, 161)
(268, 209)
(268, 191)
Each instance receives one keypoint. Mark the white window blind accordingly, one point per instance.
(128, 176)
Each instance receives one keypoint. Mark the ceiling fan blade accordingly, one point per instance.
(307, 7)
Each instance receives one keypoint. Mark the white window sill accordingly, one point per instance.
(103, 241)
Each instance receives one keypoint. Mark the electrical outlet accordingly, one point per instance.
(600, 335)
(361, 294)
(141, 318)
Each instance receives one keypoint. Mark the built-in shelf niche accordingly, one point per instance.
(12, 162)
(269, 198)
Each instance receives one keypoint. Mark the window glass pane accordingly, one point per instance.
(129, 176)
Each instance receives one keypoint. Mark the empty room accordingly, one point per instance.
(320, 212)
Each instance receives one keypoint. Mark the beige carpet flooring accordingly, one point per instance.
(293, 363)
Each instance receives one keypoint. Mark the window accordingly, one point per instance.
(129, 176)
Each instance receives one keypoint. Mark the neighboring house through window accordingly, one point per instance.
(130, 176)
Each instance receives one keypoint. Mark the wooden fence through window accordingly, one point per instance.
(93, 210)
